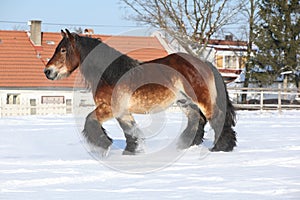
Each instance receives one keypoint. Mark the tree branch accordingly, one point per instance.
(191, 22)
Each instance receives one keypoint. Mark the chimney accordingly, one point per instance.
(35, 32)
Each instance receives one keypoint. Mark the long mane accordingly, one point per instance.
(100, 62)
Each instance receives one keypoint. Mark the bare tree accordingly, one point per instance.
(191, 22)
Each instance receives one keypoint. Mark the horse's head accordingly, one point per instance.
(65, 59)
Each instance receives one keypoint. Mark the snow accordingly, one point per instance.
(44, 157)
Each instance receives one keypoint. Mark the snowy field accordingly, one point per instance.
(43, 157)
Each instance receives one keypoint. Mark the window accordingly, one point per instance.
(242, 61)
(53, 99)
(33, 111)
(13, 99)
(219, 61)
(33, 102)
(68, 102)
(231, 62)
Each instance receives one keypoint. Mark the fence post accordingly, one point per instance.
(279, 97)
(261, 100)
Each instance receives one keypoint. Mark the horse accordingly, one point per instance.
(122, 86)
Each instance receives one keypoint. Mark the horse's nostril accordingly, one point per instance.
(47, 72)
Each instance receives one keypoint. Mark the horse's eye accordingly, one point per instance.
(63, 50)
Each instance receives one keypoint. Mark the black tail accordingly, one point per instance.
(226, 140)
(230, 119)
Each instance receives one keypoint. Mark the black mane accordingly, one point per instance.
(102, 63)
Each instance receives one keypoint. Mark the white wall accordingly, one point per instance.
(23, 107)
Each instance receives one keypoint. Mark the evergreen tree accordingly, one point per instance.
(278, 38)
(250, 11)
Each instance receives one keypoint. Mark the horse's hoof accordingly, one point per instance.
(213, 149)
(182, 145)
(137, 151)
(224, 149)
(99, 152)
(104, 152)
(128, 153)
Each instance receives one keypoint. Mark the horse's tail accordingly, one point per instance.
(230, 118)
(227, 138)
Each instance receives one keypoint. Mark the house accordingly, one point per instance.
(24, 89)
(226, 54)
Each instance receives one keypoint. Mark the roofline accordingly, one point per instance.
(38, 88)
(228, 49)
(227, 42)
(99, 34)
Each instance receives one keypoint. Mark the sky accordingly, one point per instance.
(106, 16)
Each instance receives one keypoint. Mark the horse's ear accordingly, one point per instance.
(63, 33)
(69, 35)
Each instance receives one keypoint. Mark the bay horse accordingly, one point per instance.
(123, 86)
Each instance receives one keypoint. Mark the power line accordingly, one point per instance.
(70, 24)
(93, 25)
(232, 26)
(12, 22)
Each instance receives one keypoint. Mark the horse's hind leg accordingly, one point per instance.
(225, 136)
(193, 134)
(95, 134)
(133, 135)
(200, 131)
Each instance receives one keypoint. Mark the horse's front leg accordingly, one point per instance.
(94, 132)
(134, 136)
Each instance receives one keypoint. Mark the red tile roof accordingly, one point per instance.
(227, 42)
(22, 63)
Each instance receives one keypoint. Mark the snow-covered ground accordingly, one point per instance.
(43, 157)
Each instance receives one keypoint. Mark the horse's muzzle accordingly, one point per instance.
(50, 74)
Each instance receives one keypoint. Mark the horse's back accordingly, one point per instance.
(191, 76)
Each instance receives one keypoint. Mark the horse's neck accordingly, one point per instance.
(95, 59)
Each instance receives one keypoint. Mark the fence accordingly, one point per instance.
(20, 110)
(265, 98)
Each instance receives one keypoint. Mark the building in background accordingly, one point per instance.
(228, 55)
